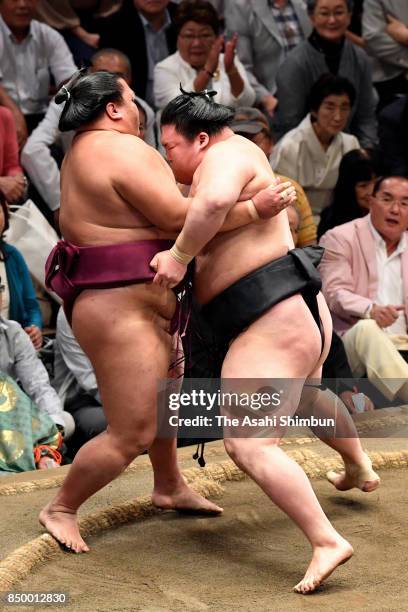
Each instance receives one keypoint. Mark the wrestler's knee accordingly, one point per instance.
(241, 450)
(133, 444)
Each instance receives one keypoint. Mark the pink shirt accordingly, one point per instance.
(9, 161)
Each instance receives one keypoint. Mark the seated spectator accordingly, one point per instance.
(12, 180)
(75, 383)
(311, 152)
(145, 32)
(253, 124)
(385, 32)
(327, 50)
(353, 190)
(19, 360)
(294, 223)
(29, 52)
(76, 21)
(29, 438)
(199, 63)
(37, 158)
(18, 301)
(393, 132)
(267, 31)
(365, 281)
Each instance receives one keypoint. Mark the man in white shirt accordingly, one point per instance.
(365, 282)
(29, 52)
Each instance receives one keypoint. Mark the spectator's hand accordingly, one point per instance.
(169, 272)
(213, 58)
(385, 316)
(397, 30)
(89, 39)
(13, 187)
(35, 335)
(269, 103)
(273, 199)
(229, 53)
(347, 399)
(21, 127)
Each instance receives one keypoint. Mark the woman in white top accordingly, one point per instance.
(199, 62)
(311, 153)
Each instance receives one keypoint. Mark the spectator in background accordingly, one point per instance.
(393, 132)
(253, 124)
(18, 301)
(76, 20)
(327, 50)
(19, 360)
(29, 52)
(36, 156)
(12, 180)
(267, 30)
(199, 62)
(75, 383)
(311, 153)
(385, 31)
(353, 191)
(365, 281)
(145, 32)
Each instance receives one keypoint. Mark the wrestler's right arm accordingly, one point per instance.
(149, 186)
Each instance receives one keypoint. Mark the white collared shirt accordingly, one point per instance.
(25, 66)
(389, 269)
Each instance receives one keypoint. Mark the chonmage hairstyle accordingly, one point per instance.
(86, 96)
(195, 112)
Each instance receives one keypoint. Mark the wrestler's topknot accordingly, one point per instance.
(86, 96)
(194, 112)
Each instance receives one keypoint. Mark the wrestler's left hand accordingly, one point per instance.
(169, 272)
(35, 334)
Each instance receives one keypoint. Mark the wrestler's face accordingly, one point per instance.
(128, 111)
(389, 208)
(332, 115)
(183, 155)
(18, 14)
(331, 18)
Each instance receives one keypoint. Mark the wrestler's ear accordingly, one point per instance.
(203, 140)
(113, 111)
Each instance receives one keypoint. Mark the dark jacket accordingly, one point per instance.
(393, 130)
(124, 31)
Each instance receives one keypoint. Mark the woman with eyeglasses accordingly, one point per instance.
(311, 153)
(203, 60)
(19, 302)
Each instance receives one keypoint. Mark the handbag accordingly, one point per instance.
(30, 232)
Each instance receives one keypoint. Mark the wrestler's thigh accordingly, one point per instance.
(284, 342)
(130, 354)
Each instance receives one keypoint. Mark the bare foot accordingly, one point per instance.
(185, 500)
(63, 526)
(324, 561)
(361, 476)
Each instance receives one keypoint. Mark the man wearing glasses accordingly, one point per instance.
(365, 282)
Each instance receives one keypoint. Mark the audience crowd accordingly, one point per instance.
(321, 86)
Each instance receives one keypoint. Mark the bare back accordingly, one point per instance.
(93, 211)
(231, 255)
